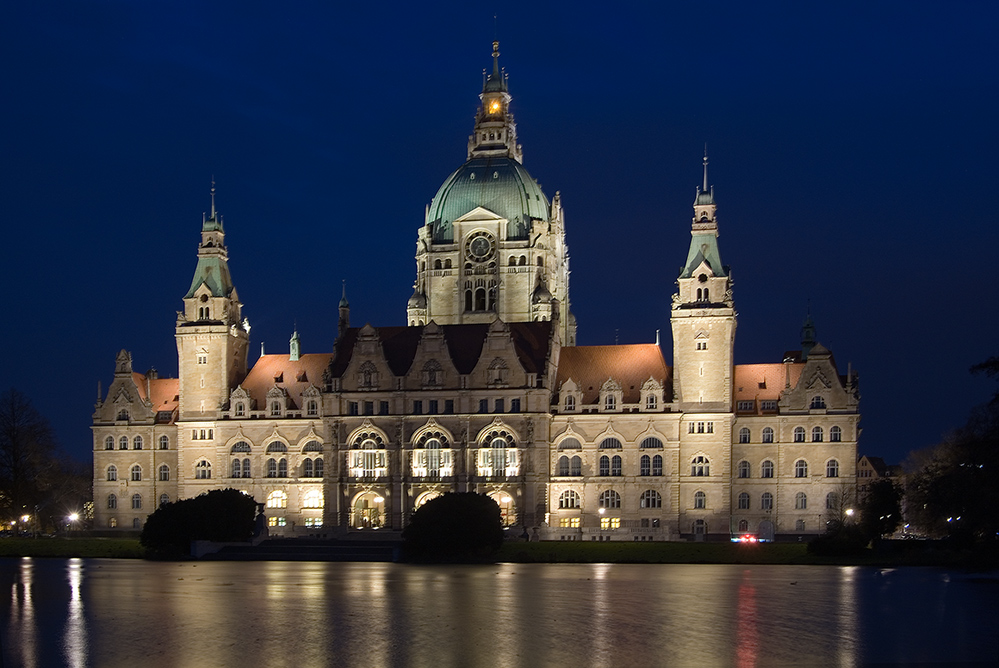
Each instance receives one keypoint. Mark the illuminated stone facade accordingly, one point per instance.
(483, 389)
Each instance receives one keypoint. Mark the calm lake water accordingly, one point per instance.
(96, 612)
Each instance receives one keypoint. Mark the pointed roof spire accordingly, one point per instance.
(213, 196)
(704, 187)
(705, 194)
(808, 341)
(343, 299)
(495, 82)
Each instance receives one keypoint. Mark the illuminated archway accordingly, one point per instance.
(368, 511)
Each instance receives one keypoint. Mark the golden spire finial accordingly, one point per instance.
(213, 196)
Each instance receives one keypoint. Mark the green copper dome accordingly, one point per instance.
(499, 184)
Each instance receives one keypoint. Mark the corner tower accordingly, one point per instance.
(212, 341)
(492, 245)
(703, 316)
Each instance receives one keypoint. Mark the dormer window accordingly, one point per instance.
(610, 402)
(122, 414)
(817, 402)
(313, 408)
(570, 403)
(275, 409)
(240, 409)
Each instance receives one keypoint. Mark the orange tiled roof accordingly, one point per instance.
(764, 381)
(280, 370)
(165, 393)
(630, 365)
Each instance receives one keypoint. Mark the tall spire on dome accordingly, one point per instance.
(495, 132)
(213, 197)
(705, 194)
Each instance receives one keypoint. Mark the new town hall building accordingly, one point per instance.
(484, 389)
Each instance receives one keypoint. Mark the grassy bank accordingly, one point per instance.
(115, 548)
(722, 553)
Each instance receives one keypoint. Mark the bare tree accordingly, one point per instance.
(27, 456)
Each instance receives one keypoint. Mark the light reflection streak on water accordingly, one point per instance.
(75, 637)
(22, 614)
(747, 643)
(602, 633)
(848, 637)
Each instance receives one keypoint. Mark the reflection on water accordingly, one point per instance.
(125, 613)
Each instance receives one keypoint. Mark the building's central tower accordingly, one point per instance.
(492, 245)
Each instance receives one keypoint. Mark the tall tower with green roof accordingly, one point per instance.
(212, 340)
(492, 244)
(703, 316)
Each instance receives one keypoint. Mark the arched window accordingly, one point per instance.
(645, 465)
(523, 260)
(569, 444)
(271, 468)
(242, 446)
(831, 501)
(282, 468)
(237, 468)
(563, 466)
(657, 465)
(136, 502)
(651, 442)
(313, 407)
(164, 499)
(832, 469)
(136, 473)
(570, 402)
(767, 469)
(112, 502)
(817, 402)
(799, 525)
(568, 499)
(164, 442)
(816, 434)
(743, 524)
(743, 502)
(202, 470)
(112, 473)
(700, 527)
(768, 435)
(799, 434)
(801, 469)
(123, 443)
(109, 443)
(276, 446)
(744, 435)
(610, 443)
(609, 499)
(313, 499)
(604, 465)
(800, 501)
(307, 468)
(576, 466)
(615, 465)
(744, 469)
(767, 501)
(700, 500)
(650, 499)
(318, 469)
(164, 473)
(277, 499)
(313, 446)
(137, 443)
(835, 434)
(700, 466)
(122, 414)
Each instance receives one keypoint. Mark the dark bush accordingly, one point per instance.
(222, 515)
(454, 528)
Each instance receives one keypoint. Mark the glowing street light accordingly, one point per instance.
(849, 512)
(73, 517)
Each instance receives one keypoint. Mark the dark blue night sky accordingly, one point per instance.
(853, 153)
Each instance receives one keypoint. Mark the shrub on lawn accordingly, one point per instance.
(222, 515)
(454, 528)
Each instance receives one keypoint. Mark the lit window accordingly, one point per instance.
(800, 469)
(768, 435)
(164, 442)
(112, 473)
(136, 502)
(568, 523)
(610, 522)
(744, 435)
(610, 499)
(767, 501)
(313, 499)
(700, 500)
(112, 523)
(164, 473)
(767, 469)
(202, 470)
(568, 499)
(700, 466)
(744, 469)
(314, 522)
(112, 502)
(743, 503)
(799, 434)
(835, 434)
(800, 501)
(651, 499)
(832, 469)
(816, 434)
(277, 499)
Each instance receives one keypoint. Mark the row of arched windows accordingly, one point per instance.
(313, 498)
(570, 499)
(137, 442)
(744, 469)
(818, 435)
(136, 501)
(135, 473)
(610, 443)
(800, 501)
(648, 466)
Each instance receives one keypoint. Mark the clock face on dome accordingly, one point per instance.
(479, 247)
